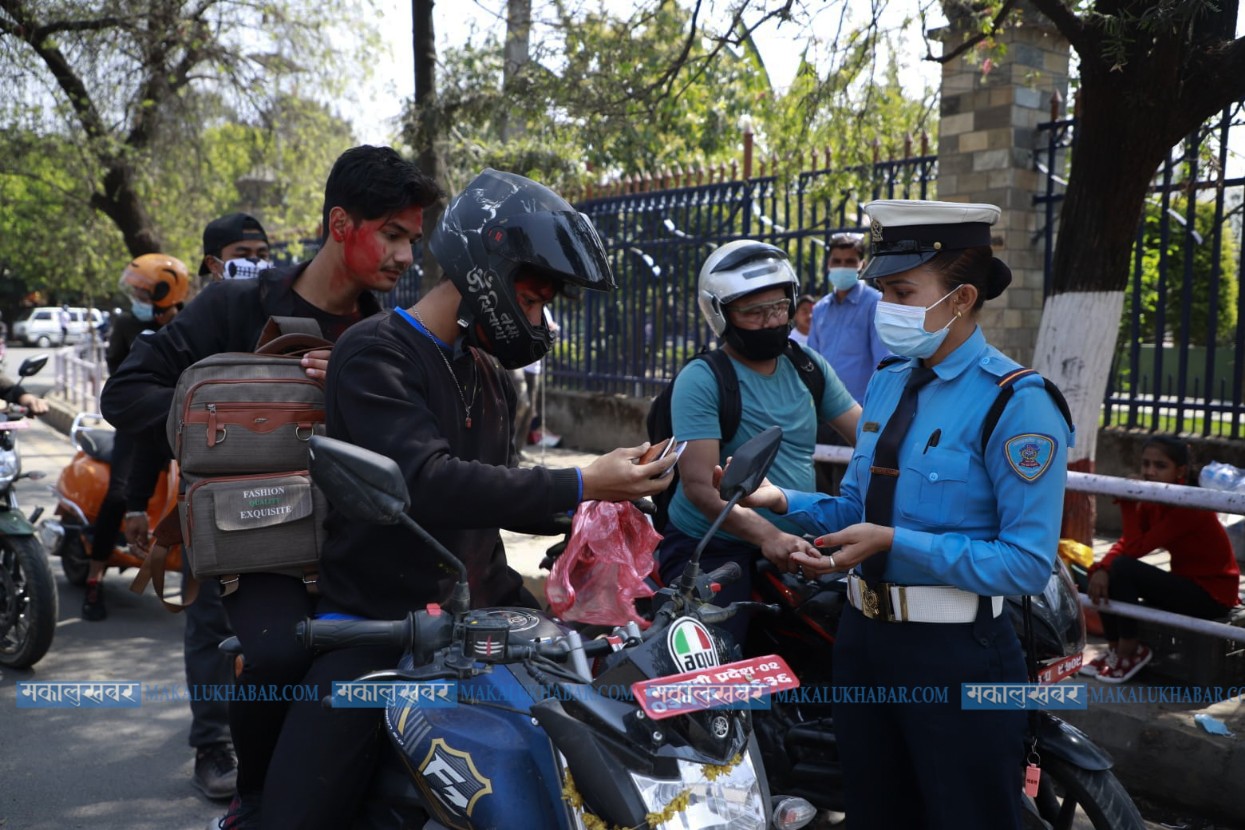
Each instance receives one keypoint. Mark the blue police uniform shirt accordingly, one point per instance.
(843, 333)
(766, 400)
(984, 522)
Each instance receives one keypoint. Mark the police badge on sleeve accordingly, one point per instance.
(1030, 454)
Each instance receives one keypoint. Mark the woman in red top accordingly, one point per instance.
(1204, 577)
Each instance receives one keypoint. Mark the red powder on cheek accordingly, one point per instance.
(363, 249)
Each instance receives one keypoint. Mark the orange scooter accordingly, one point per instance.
(80, 492)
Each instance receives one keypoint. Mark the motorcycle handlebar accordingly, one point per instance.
(725, 574)
(333, 634)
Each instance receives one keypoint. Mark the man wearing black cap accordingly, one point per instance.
(231, 237)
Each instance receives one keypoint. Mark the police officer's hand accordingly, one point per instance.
(616, 476)
(1099, 584)
(782, 548)
(136, 530)
(766, 496)
(852, 545)
(316, 364)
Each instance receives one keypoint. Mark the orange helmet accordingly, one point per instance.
(158, 279)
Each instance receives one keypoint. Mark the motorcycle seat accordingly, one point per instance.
(97, 443)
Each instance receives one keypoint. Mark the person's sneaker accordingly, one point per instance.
(93, 603)
(545, 438)
(1100, 664)
(216, 771)
(243, 814)
(1125, 668)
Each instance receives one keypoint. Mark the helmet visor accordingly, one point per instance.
(562, 244)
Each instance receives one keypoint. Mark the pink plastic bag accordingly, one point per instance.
(598, 577)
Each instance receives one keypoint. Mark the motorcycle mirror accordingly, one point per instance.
(32, 365)
(364, 485)
(750, 463)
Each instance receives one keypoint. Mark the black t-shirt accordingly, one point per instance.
(390, 391)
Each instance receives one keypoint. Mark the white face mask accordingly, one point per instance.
(902, 328)
(842, 278)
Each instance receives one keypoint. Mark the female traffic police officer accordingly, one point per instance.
(939, 519)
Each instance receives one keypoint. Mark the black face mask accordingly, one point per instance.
(758, 344)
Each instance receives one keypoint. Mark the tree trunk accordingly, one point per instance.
(425, 44)
(1080, 320)
(518, 32)
(120, 203)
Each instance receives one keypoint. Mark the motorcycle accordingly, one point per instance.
(645, 743)
(797, 738)
(28, 599)
(80, 492)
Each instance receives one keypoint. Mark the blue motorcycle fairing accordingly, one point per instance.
(482, 765)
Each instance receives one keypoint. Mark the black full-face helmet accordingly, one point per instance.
(502, 224)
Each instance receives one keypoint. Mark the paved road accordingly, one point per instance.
(104, 768)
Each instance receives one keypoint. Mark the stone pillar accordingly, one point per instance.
(986, 141)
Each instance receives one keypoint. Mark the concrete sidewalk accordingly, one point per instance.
(1183, 776)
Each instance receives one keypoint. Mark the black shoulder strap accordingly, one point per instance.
(730, 405)
(809, 372)
(1007, 388)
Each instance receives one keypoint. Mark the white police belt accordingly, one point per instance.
(915, 603)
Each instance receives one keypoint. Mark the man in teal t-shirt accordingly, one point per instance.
(747, 291)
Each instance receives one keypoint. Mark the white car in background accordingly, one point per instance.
(42, 326)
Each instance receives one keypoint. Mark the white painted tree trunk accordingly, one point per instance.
(1075, 343)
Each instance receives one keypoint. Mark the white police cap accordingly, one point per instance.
(905, 233)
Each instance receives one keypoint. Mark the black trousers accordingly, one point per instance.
(263, 613)
(675, 552)
(1133, 580)
(325, 758)
(112, 511)
(922, 764)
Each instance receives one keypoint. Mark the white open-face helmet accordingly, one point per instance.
(738, 268)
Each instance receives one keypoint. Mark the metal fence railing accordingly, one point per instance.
(1180, 364)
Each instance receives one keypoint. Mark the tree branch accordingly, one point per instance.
(995, 25)
(1216, 88)
(1071, 26)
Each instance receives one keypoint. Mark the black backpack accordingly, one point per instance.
(660, 425)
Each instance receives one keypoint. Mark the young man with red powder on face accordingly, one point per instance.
(428, 386)
(373, 202)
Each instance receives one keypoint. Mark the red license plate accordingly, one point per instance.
(1060, 669)
(733, 685)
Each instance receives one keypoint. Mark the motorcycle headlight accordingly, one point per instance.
(10, 466)
(731, 801)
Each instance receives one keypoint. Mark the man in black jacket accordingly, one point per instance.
(428, 387)
(372, 215)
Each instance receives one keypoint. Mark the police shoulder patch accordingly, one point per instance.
(1030, 454)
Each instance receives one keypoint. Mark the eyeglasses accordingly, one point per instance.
(762, 312)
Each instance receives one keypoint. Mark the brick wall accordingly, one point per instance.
(987, 137)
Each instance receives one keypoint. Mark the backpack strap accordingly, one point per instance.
(730, 403)
(1007, 388)
(809, 371)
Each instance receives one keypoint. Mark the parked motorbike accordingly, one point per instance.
(28, 600)
(546, 745)
(80, 492)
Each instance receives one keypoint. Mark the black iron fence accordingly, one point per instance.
(1180, 362)
(633, 340)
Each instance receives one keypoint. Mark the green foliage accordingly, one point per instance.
(1171, 257)
(611, 96)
